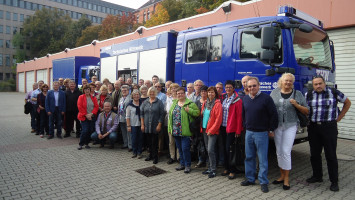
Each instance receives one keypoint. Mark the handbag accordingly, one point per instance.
(304, 121)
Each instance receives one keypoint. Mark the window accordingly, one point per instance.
(8, 43)
(83, 73)
(94, 19)
(7, 75)
(94, 7)
(40, 7)
(1, 62)
(89, 6)
(80, 4)
(7, 60)
(8, 29)
(8, 15)
(14, 30)
(75, 2)
(1, 43)
(15, 3)
(8, 2)
(103, 9)
(144, 17)
(79, 15)
(1, 28)
(99, 8)
(22, 4)
(196, 50)
(1, 14)
(22, 17)
(70, 2)
(216, 48)
(250, 47)
(34, 6)
(85, 4)
(28, 5)
(15, 16)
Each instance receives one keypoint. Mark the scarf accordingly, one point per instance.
(138, 110)
(210, 104)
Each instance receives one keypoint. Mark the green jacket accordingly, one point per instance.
(193, 112)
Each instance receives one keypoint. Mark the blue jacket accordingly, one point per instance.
(50, 101)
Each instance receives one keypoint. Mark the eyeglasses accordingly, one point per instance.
(250, 86)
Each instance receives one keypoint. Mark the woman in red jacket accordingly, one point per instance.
(88, 107)
(211, 113)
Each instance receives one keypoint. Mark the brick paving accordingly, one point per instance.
(35, 168)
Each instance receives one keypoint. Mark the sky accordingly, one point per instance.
(128, 3)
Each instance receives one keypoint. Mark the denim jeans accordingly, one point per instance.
(56, 116)
(125, 135)
(256, 143)
(210, 142)
(44, 122)
(183, 144)
(87, 128)
(112, 138)
(137, 139)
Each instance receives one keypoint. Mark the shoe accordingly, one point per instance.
(134, 156)
(129, 150)
(124, 147)
(314, 180)
(286, 187)
(212, 174)
(59, 136)
(232, 176)
(101, 145)
(41, 136)
(200, 164)
(180, 168)
(94, 142)
(87, 147)
(187, 170)
(206, 172)
(170, 161)
(334, 187)
(110, 147)
(155, 161)
(37, 133)
(67, 135)
(264, 188)
(246, 183)
(225, 173)
(33, 130)
(80, 147)
(50, 137)
(140, 156)
(276, 182)
(148, 158)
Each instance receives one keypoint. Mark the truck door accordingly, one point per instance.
(196, 45)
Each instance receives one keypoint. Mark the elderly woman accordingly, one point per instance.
(181, 113)
(152, 118)
(103, 97)
(88, 107)
(287, 100)
(174, 155)
(190, 91)
(144, 92)
(211, 112)
(122, 105)
(134, 124)
(41, 101)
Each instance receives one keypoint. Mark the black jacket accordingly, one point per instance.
(71, 100)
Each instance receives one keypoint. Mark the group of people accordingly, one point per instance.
(202, 121)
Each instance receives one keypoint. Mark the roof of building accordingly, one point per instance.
(149, 3)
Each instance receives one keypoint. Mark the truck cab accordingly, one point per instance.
(88, 72)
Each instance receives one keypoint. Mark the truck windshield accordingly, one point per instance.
(312, 49)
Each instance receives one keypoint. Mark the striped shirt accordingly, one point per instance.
(323, 106)
(226, 103)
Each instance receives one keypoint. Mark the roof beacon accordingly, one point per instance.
(292, 12)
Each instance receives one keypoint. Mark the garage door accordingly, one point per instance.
(42, 75)
(30, 79)
(344, 42)
(21, 82)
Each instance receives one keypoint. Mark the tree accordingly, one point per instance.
(173, 7)
(160, 16)
(44, 27)
(75, 31)
(189, 8)
(18, 42)
(88, 35)
(116, 25)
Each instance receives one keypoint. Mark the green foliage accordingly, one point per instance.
(173, 7)
(88, 35)
(8, 85)
(75, 31)
(160, 16)
(18, 41)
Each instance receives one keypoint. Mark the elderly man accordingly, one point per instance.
(106, 126)
(116, 95)
(148, 83)
(219, 87)
(93, 79)
(98, 85)
(35, 104)
(197, 86)
(141, 82)
(71, 112)
(323, 129)
(121, 80)
(160, 95)
(155, 79)
(61, 84)
(244, 91)
(55, 108)
(33, 110)
(260, 119)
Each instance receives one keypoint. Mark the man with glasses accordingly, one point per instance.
(161, 96)
(93, 79)
(260, 119)
(323, 129)
(197, 86)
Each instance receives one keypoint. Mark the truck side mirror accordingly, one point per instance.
(267, 37)
(267, 55)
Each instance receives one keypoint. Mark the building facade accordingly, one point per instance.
(146, 11)
(14, 12)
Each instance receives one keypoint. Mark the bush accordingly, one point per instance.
(8, 85)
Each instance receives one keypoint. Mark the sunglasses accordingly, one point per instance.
(251, 86)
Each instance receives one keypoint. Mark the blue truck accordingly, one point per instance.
(264, 47)
(76, 68)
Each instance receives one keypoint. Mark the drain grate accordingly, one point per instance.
(151, 171)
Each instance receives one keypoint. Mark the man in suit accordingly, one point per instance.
(55, 107)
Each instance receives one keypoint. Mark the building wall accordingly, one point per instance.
(146, 11)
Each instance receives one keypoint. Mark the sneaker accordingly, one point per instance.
(264, 188)
(212, 174)
(206, 172)
(246, 183)
(334, 187)
(41, 136)
(187, 170)
(87, 147)
(180, 168)
(314, 180)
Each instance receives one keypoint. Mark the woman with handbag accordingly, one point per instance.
(182, 112)
(211, 112)
(288, 101)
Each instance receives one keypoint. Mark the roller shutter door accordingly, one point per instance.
(344, 42)
(21, 82)
(30, 79)
(42, 75)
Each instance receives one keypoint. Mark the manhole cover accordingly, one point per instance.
(151, 171)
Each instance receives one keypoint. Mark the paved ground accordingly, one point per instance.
(35, 168)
